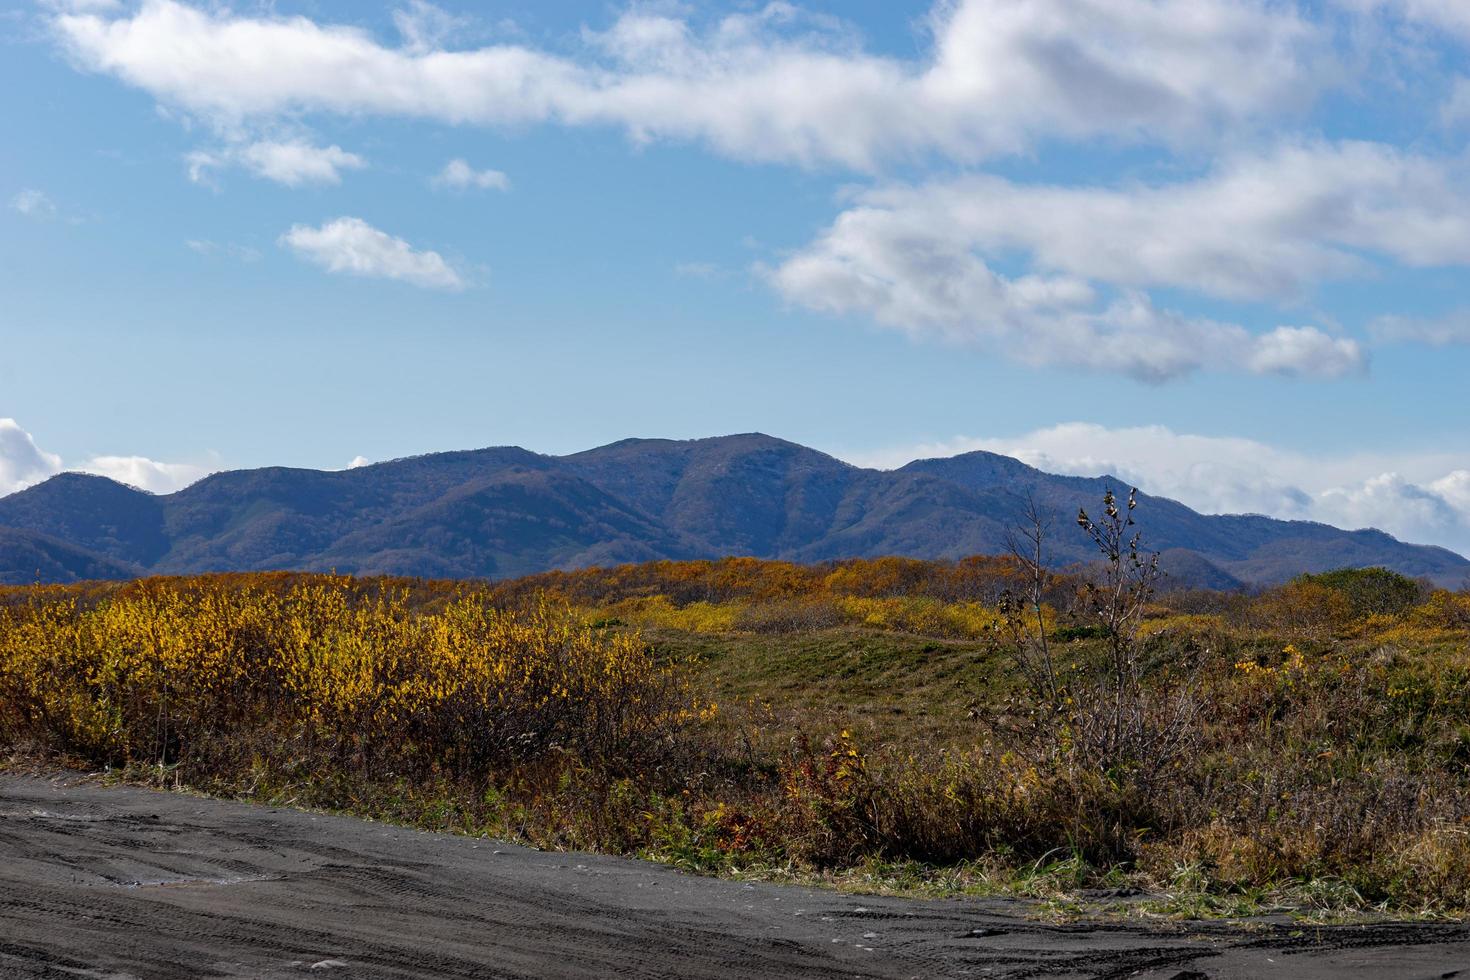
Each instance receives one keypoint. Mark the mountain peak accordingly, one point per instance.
(738, 440)
(506, 510)
(74, 480)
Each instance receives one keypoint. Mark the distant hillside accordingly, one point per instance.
(27, 557)
(503, 512)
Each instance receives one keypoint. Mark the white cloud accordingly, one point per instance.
(950, 293)
(1305, 350)
(147, 474)
(293, 163)
(33, 204)
(201, 164)
(358, 462)
(1255, 227)
(354, 247)
(297, 163)
(23, 463)
(930, 290)
(459, 175)
(1455, 489)
(425, 27)
(1421, 496)
(1390, 502)
(765, 85)
(1265, 227)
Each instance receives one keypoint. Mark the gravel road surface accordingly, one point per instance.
(115, 883)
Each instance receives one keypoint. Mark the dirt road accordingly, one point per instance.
(116, 883)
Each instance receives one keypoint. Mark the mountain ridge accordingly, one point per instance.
(504, 511)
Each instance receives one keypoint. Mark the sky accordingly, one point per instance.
(1217, 248)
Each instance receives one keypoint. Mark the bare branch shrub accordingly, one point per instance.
(1102, 727)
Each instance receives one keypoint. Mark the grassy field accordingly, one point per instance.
(884, 686)
(869, 724)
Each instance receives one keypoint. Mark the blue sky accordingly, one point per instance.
(1216, 246)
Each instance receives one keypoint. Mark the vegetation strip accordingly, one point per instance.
(874, 724)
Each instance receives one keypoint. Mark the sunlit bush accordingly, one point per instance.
(1303, 609)
(189, 673)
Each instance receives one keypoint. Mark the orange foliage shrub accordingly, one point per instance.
(1304, 610)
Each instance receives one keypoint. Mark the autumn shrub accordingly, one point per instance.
(207, 676)
(1371, 591)
(918, 615)
(1302, 609)
(788, 616)
(659, 612)
(1318, 764)
(981, 579)
(922, 616)
(1443, 610)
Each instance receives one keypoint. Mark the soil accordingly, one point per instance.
(119, 882)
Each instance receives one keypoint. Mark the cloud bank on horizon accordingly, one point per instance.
(1419, 496)
(23, 464)
(1254, 207)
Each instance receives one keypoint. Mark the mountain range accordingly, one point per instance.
(505, 512)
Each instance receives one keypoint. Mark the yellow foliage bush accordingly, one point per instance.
(170, 672)
(658, 612)
(909, 614)
(1450, 610)
(1302, 609)
(921, 615)
(1183, 625)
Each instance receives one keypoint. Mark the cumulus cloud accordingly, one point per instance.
(147, 474)
(23, 463)
(459, 175)
(351, 246)
(1267, 226)
(358, 462)
(1305, 350)
(928, 289)
(1421, 496)
(769, 84)
(33, 204)
(1264, 228)
(293, 163)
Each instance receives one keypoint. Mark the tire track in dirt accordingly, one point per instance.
(127, 883)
